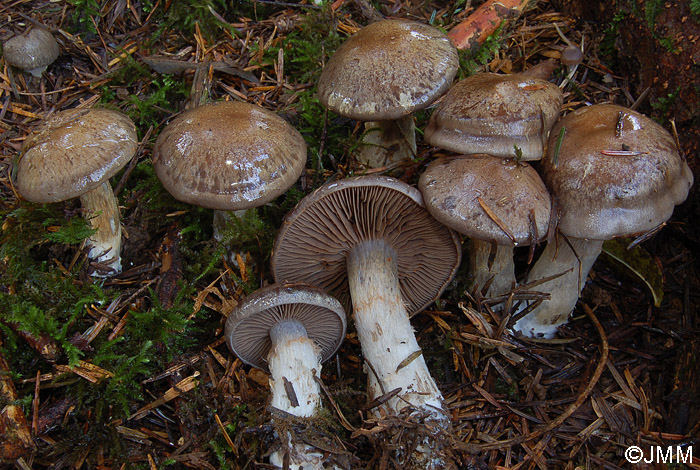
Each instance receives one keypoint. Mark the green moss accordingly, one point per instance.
(472, 61)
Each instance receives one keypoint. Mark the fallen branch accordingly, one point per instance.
(473, 31)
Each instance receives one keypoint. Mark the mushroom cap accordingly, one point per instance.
(315, 238)
(513, 192)
(571, 55)
(491, 113)
(248, 326)
(387, 70)
(74, 151)
(617, 173)
(31, 50)
(229, 156)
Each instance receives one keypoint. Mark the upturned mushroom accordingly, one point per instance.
(228, 156)
(289, 330)
(614, 173)
(499, 204)
(370, 242)
(74, 153)
(33, 51)
(507, 116)
(381, 75)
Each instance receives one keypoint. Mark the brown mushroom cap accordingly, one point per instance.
(617, 173)
(315, 238)
(571, 55)
(73, 152)
(387, 70)
(248, 326)
(491, 113)
(34, 49)
(228, 155)
(513, 192)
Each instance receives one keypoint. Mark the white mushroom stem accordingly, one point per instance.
(501, 271)
(387, 338)
(294, 360)
(557, 258)
(102, 210)
(222, 219)
(388, 142)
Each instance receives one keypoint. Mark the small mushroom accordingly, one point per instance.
(228, 156)
(499, 204)
(288, 330)
(32, 51)
(615, 173)
(507, 116)
(370, 241)
(381, 75)
(73, 153)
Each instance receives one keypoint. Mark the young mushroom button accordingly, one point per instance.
(370, 242)
(73, 153)
(381, 75)
(616, 173)
(499, 204)
(32, 51)
(228, 156)
(289, 329)
(507, 116)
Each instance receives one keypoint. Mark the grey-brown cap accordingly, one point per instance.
(315, 238)
(74, 151)
(33, 50)
(492, 113)
(228, 155)
(616, 173)
(387, 70)
(248, 326)
(488, 198)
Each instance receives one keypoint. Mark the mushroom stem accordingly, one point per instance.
(387, 338)
(102, 210)
(573, 257)
(388, 142)
(295, 363)
(500, 270)
(222, 219)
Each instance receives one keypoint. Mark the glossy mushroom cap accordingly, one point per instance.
(461, 191)
(492, 114)
(617, 173)
(32, 51)
(248, 326)
(228, 156)
(73, 152)
(316, 237)
(387, 70)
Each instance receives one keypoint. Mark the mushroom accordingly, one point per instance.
(381, 75)
(614, 173)
(507, 116)
(228, 156)
(288, 330)
(369, 241)
(74, 153)
(33, 51)
(499, 204)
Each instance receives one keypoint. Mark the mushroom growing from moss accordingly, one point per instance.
(499, 204)
(74, 153)
(615, 173)
(370, 242)
(381, 75)
(228, 156)
(33, 51)
(289, 330)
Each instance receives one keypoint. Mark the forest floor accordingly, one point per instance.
(133, 371)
